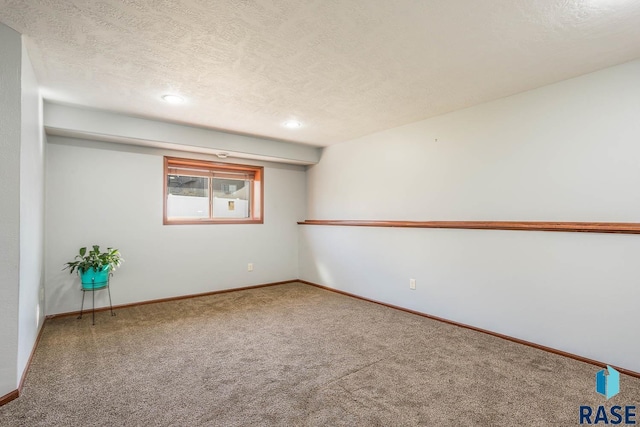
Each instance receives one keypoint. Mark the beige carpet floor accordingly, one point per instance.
(293, 355)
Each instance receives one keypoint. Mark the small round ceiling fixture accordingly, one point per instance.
(173, 99)
(292, 124)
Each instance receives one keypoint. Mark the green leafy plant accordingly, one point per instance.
(94, 259)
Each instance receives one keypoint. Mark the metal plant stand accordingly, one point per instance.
(96, 287)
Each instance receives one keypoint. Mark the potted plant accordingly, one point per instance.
(94, 266)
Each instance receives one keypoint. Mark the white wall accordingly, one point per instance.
(564, 152)
(10, 52)
(31, 298)
(111, 195)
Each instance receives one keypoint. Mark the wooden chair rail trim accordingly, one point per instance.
(583, 227)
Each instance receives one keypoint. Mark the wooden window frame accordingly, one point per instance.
(256, 201)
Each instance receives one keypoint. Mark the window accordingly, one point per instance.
(197, 191)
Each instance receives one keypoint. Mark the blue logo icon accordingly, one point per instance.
(608, 384)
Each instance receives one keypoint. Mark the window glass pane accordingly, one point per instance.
(187, 196)
(231, 198)
(204, 192)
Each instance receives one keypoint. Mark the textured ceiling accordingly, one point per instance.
(345, 68)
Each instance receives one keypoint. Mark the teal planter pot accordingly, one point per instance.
(95, 279)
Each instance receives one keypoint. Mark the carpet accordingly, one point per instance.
(293, 355)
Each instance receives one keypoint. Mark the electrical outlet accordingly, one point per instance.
(412, 284)
(250, 266)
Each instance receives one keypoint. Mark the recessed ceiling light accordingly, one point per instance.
(173, 99)
(292, 124)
